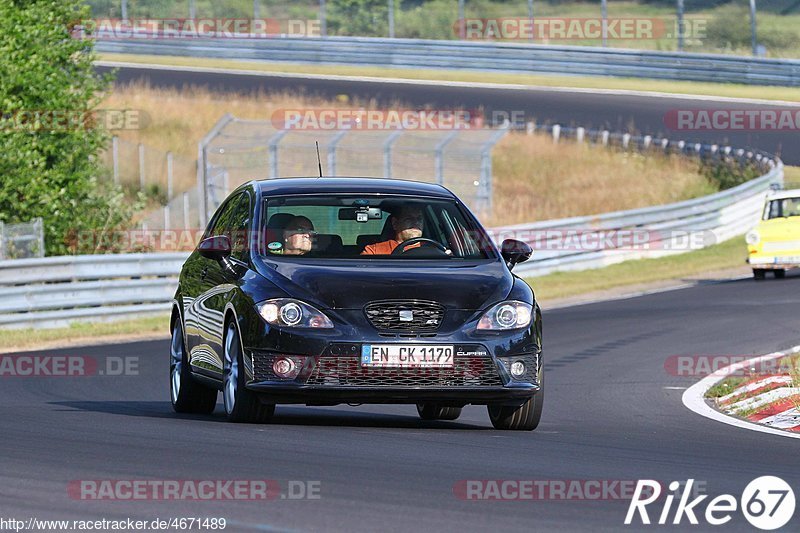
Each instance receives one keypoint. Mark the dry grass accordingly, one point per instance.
(534, 178)
(539, 180)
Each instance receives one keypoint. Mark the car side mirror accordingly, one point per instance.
(217, 248)
(514, 251)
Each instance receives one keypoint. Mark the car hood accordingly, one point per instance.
(779, 229)
(332, 285)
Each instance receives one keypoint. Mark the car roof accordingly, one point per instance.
(287, 186)
(780, 195)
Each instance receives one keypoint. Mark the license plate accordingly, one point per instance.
(406, 356)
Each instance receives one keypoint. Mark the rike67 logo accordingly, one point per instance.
(767, 503)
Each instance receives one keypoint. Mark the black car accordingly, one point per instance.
(322, 291)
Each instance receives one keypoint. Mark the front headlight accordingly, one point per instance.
(506, 316)
(290, 313)
(752, 238)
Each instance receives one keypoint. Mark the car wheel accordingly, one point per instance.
(525, 417)
(432, 411)
(241, 405)
(780, 273)
(186, 394)
(759, 273)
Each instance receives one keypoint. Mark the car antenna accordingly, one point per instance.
(319, 160)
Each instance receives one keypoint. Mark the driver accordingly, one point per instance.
(298, 236)
(407, 224)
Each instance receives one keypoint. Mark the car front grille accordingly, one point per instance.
(405, 315)
(347, 371)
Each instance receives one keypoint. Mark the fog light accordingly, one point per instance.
(517, 369)
(284, 368)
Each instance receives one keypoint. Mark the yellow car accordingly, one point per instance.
(775, 243)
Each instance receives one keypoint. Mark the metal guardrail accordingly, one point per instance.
(461, 55)
(55, 291)
(666, 229)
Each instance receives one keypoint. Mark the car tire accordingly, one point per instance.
(525, 417)
(241, 405)
(780, 273)
(432, 411)
(187, 395)
(759, 273)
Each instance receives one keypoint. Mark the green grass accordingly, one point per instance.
(726, 386)
(729, 254)
(20, 339)
(543, 80)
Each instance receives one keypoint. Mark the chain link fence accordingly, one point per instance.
(22, 241)
(236, 151)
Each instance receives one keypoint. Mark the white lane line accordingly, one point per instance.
(787, 419)
(755, 386)
(440, 83)
(694, 397)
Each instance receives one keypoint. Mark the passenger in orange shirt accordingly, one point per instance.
(407, 224)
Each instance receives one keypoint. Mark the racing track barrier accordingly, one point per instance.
(55, 291)
(480, 56)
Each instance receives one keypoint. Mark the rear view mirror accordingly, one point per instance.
(514, 251)
(360, 214)
(216, 248)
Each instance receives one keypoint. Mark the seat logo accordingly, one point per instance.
(406, 316)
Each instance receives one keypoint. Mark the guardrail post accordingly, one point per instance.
(604, 136)
(439, 155)
(185, 210)
(169, 176)
(141, 167)
(530, 128)
(391, 19)
(38, 226)
(115, 156)
(579, 134)
(323, 19)
(332, 151)
(387, 152)
(462, 25)
(273, 152)
(556, 132)
(626, 140)
(647, 141)
(604, 12)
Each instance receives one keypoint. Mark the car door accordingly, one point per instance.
(204, 314)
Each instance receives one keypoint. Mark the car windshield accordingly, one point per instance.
(781, 208)
(364, 227)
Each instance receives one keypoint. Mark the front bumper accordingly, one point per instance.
(774, 263)
(336, 376)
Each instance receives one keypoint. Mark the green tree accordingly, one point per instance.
(49, 165)
(359, 17)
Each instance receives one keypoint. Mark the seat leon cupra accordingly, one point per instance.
(322, 291)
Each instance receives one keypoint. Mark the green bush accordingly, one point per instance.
(52, 171)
